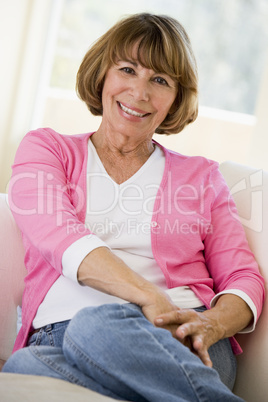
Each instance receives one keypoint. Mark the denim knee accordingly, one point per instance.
(108, 326)
(99, 320)
(107, 313)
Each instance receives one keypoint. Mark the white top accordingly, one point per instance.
(120, 217)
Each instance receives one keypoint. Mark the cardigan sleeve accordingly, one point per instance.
(46, 202)
(228, 257)
(76, 252)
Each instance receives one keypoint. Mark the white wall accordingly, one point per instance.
(258, 154)
(14, 19)
(23, 34)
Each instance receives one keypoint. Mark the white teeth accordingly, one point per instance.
(130, 111)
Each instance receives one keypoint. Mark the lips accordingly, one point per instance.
(131, 112)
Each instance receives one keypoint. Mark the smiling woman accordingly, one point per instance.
(154, 298)
(134, 102)
(163, 47)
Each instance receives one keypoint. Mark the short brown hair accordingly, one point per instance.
(163, 46)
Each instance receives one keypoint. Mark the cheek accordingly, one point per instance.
(165, 106)
(110, 86)
(111, 92)
(166, 101)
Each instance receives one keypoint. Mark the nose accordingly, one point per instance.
(140, 89)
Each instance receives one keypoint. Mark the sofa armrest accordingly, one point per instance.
(249, 188)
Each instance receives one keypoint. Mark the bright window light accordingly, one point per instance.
(229, 38)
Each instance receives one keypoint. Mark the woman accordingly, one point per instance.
(138, 269)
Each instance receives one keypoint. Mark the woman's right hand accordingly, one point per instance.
(157, 301)
(104, 271)
(162, 302)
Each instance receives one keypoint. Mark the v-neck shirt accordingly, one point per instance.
(120, 216)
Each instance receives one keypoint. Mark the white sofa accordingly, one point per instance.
(250, 190)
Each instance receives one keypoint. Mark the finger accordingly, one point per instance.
(201, 351)
(204, 356)
(172, 317)
(182, 332)
(187, 329)
(178, 316)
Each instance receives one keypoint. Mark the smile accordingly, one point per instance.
(130, 111)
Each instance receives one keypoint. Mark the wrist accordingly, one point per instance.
(231, 314)
(214, 321)
(148, 294)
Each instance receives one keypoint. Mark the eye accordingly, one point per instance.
(127, 70)
(161, 81)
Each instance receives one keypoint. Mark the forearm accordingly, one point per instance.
(231, 314)
(104, 271)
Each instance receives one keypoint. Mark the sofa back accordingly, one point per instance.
(249, 188)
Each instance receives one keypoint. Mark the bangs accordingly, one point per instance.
(152, 51)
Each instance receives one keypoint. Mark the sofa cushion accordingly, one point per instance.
(18, 387)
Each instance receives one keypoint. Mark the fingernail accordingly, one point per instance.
(159, 321)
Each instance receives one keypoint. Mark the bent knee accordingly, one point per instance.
(92, 320)
(102, 324)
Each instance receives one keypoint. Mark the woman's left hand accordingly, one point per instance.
(200, 330)
(195, 330)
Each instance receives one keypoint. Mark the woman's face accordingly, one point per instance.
(136, 99)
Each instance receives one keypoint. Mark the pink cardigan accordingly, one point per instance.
(196, 237)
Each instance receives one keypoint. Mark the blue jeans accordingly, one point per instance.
(114, 350)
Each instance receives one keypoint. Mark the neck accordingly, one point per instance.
(121, 159)
(121, 145)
